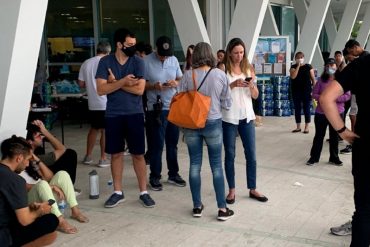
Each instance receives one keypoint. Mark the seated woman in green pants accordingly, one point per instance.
(43, 184)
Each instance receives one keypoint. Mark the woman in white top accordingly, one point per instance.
(240, 118)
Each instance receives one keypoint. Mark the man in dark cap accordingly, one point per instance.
(162, 74)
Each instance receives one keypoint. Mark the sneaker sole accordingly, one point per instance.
(197, 215)
(114, 205)
(177, 184)
(146, 206)
(102, 166)
(224, 218)
(87, 162)
(332, 163)
(345, 152)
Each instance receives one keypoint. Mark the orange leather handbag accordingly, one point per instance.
(190, 109)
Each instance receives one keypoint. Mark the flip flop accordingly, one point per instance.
(306, 132)
(80, 218)
(296, 130)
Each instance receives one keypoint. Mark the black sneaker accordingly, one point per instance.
(155, 184)
(197, 212)
(311, 162)
(114, 200)
(147, 201)
(225, 215)
(337, 162)
(346, 150)
(177, 180)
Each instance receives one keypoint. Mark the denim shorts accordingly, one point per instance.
(129, 128)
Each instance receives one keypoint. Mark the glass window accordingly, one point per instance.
(165, 25)
(133, 15)
(69, 30)
(289, 26)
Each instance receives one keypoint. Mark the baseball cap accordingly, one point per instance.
(164, 46)
(330, 61)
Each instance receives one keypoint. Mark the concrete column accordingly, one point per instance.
(189, 22)
(215, 23)
(346, 24)
(364, 31)
(330, 27)
(247, 22)
(269, 27)
(312, 27)
(21, 25)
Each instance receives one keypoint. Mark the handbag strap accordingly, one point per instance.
(194, 81)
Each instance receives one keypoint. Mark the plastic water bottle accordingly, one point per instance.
(94, 185)
(62, 206)
(110, 184)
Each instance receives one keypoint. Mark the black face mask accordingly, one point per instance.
(129, 51)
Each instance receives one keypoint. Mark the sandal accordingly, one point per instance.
(306, 132)
(80, 218)
(296, 130)
(65, 227)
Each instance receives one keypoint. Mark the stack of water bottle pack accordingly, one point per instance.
(267, 97)
(282, 103)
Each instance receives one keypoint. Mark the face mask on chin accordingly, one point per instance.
(129, 51)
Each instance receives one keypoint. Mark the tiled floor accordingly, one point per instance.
(304, 202)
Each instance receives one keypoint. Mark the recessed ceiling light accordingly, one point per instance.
(80, 7)
(65, 14)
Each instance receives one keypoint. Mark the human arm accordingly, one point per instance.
(45, 173)
(316, 91)
(328, 103)
(58, 147)
(312, 77)
(294, 71)
(81, 83)
(28, 215)
(344, 97)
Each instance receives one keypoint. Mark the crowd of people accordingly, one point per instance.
(116, 83)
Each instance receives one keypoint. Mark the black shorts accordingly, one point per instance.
(97, 119)
(125, 127)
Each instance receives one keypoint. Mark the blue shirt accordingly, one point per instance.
(156, 71)
(121, 102)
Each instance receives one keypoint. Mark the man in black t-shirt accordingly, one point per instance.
(21, 223)
(355, 78)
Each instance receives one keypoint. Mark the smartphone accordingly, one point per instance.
(166, 84)
(138, 77)
(51, 202)
(248, 79)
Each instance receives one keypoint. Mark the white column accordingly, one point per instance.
(269, 27)
(21, 25)
(346, 24)
(189, 22)
(247, 22)
(364, 31)
(312, 27)
(215, 23)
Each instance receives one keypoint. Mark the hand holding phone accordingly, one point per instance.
(248, 79)
(138, 77)
(166, 84)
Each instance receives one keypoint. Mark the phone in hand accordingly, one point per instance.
(51, 202)
(248, 79)
(166, 84)
(138, 77)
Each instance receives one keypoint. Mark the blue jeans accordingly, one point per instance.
(157, 135)
(212, 135)
(248, 136)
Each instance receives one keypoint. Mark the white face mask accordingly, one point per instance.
(300, 60)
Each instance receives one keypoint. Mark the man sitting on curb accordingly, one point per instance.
(21, 224)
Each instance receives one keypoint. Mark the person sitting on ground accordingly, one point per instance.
(61, 159)
(43, 184)
(21, 224)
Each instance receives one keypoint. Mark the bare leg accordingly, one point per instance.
(117, 170)
(231, 194)
(306, 127)
(91, 138)
(102, 145)
(77, 215)
(353, 121)
(140, 170)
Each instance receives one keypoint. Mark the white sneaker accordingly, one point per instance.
(104, 163)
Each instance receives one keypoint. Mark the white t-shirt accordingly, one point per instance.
(28, 178)
(242, 107)
(87, 74)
